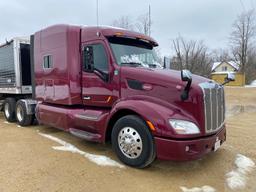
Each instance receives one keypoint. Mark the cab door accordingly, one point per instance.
(97, 76)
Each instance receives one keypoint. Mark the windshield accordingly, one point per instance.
(134, 52)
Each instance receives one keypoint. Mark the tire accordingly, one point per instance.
(9, 109)
(22, 117)
(131, 132)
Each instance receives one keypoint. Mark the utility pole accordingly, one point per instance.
(149, 20)
(97, 12)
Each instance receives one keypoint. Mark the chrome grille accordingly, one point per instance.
(214, 105)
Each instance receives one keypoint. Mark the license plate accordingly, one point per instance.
(217, 145)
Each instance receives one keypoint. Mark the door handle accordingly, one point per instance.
(87, 97)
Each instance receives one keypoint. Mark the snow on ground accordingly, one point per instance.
(236, 179)
(252, 84)
(98, 159)
(205, 188)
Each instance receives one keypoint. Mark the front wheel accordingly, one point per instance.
(133, 142)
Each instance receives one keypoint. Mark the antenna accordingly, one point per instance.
(149, 20)
(97, 12)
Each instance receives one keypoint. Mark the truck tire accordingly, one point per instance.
(132, 142)
(22, 117)
(9, 109)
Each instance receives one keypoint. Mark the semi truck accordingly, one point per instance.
(104, 84)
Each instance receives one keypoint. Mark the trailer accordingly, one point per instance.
(15, 75)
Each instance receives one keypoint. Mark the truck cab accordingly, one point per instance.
(106, 84)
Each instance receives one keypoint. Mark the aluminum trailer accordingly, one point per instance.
(15, 74)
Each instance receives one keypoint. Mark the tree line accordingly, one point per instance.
(197, 57)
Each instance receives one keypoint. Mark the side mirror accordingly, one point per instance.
(230, 77)
(186, 75)
(88, 59)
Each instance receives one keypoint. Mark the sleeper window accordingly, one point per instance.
(47, 62)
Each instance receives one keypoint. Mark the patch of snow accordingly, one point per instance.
(215, 64)
(244, 164)
(252, 84)
(234, 64)
(224, 72)
(236, 179)
(97, 159)
(205, 188)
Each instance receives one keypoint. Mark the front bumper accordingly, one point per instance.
(183, 150)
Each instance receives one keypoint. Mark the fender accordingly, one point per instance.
(151, 109)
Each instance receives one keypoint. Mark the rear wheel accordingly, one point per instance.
(133, 142)
(22, 117)
(9, 109)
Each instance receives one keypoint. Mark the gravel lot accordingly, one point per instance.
(29, 163)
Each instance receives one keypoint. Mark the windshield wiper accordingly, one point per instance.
(154, 65)
(135, 64)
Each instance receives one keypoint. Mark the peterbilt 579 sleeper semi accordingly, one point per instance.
(103, 84)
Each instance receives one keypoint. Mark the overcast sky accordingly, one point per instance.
(208, 20)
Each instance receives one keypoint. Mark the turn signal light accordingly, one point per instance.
(151, 126)
(119, 34)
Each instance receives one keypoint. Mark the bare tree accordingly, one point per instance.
(192, 55)
(242, 36)
(250, 69)
(221, 55)
(124, 22)
(144, 24)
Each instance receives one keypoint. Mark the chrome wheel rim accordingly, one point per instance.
(130, 142)
(7, 110)
(19, 113)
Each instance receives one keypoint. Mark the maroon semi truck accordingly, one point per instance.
(105, 84)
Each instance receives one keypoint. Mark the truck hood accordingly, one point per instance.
(160, 77)
(166, 86)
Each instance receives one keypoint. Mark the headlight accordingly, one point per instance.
(184, 127)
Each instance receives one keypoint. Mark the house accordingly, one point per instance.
(225, 66)
(220, 70)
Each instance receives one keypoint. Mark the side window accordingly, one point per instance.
(47, 62)
(95, 57)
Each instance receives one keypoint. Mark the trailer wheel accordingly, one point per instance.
(9, 109)
(133, 142)
(22, 117)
